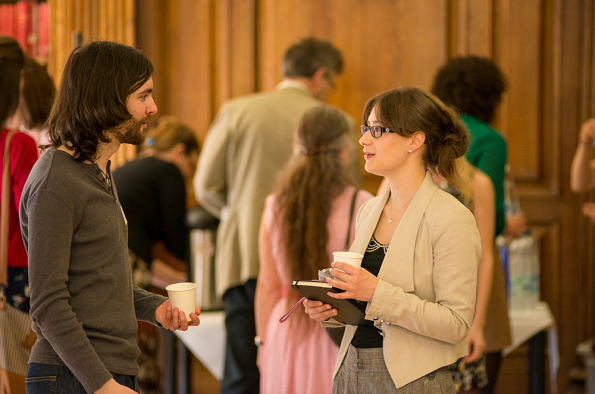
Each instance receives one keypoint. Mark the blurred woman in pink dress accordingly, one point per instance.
(310, 215)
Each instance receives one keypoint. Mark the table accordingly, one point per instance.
(207, 341)
(529, 326)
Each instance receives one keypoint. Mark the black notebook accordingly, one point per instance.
(349, 311)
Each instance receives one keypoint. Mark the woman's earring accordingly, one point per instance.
(410, 151)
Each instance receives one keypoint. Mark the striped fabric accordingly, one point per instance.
(15, 326)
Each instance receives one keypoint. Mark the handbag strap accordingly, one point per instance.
(351, 218)
(4, 210)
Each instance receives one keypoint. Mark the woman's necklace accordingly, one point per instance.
(390, 219)
(108, 180)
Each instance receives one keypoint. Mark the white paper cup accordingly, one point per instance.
(351, 258)
(183, 297)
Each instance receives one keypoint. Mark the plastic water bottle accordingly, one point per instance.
(519, 274)
(520, 257)
(512, 204)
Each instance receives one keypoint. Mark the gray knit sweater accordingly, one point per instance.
(83, 304)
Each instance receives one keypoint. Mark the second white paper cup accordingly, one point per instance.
(351, 258)
(183, 297)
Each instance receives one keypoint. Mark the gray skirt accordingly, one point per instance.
(363, 371)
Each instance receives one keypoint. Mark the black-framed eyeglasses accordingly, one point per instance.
(376, 131)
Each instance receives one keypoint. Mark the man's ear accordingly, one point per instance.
(318, 75)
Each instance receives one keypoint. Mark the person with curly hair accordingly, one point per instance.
(474, 86)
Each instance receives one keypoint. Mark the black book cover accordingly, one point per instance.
(349, 311)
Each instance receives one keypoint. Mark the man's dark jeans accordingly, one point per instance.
(57, 379)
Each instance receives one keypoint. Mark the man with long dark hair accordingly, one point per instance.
(83, 304)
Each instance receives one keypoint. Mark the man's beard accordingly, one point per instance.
(130, 132)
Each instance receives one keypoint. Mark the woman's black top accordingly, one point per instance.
(153, 196)
(367, 335)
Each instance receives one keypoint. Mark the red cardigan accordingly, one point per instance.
(23, 154)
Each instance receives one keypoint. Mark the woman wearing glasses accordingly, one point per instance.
(421, 251)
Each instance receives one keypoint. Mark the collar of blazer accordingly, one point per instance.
(397, 267)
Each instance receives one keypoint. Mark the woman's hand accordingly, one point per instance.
(319, 311)
(358, 283)
(476, 344)
(175, 319)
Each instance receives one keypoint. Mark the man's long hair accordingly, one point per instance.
(97, 80)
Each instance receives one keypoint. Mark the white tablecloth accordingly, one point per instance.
(525, 324)
(207, 341)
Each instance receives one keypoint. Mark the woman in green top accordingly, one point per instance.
(474, 86)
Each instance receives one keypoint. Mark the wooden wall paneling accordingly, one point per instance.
(573, 287)
(190, 90)
(235, 59)
(480, 35)
(385, 44)
(589, 111)
(521, 62)
(243, 28)
(178, 37)
(60, 36)
(72, 19)
(153, 30)
(86, 19)
(470, 27)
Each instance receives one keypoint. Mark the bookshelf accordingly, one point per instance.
(29, 23)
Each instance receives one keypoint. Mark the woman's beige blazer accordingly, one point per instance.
(425, 299)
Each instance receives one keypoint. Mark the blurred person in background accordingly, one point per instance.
(474, 86)
(152, 191)
(249, 142)
(476, 192)
(582, 172)
(22, 157)
(36, 102)
(310, 215)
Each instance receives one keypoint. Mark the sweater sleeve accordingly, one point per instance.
(145, 305)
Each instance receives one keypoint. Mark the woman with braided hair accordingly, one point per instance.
(421, 251)
(306, 218)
